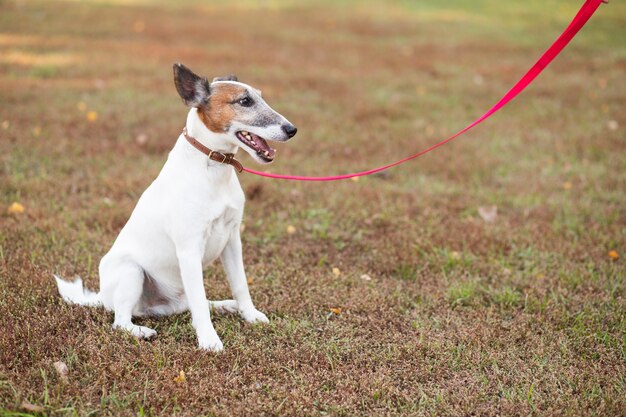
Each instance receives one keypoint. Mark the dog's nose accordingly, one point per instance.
(290, 130)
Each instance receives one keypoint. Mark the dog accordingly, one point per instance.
(190, 215)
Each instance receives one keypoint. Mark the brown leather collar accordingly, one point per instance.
(223, 158)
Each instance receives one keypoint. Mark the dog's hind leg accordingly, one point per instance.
(224, 306)
(180, 306)
(124, 282)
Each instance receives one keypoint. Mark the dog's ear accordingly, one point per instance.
(229, 77)
(194, 90)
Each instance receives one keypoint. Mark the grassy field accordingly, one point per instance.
(398, 294)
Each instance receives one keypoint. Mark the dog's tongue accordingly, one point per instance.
(263, 146)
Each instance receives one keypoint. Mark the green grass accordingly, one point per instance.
(442, 313)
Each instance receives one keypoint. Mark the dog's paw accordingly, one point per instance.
(211, 344)
(143, 332)
(140, 332)
(254, 316)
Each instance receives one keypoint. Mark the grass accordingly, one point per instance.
(441, 313)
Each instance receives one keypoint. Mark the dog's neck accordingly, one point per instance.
(215, 141)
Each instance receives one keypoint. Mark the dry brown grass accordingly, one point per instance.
(522, 316)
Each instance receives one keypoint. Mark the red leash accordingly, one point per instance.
(583, 15)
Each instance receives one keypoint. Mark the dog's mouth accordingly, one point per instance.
(257, 144)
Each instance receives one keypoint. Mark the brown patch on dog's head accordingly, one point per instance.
(218, 113)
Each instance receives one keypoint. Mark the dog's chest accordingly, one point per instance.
(218, 231)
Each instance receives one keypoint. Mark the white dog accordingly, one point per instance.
(190, 215)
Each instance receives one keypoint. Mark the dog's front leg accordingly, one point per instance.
(232, 259)
(190, 262)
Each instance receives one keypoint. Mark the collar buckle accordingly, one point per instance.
(219, 157)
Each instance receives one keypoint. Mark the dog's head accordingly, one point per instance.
(234, 110)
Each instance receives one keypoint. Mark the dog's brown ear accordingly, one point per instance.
(229, 77)
(194, 90)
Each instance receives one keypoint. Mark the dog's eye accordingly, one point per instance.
(246, 102)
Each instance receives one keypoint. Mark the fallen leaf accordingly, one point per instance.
(612, 125)
(366, 277)
(336, 272)
(291, 230)
(614, 255)
(92, 116)
(141, 139)
(16, 208)
(355, 179)
(31, 407)
(335, 310)
(455, 255)
(250, 281)
(36, 131)
(61, 368)
(5, 124)
(567, 185)
(81, 106)
(488, 214)
(180, 378)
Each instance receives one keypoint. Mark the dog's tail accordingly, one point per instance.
(74, 293)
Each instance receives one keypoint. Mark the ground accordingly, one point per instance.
(403, 293)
